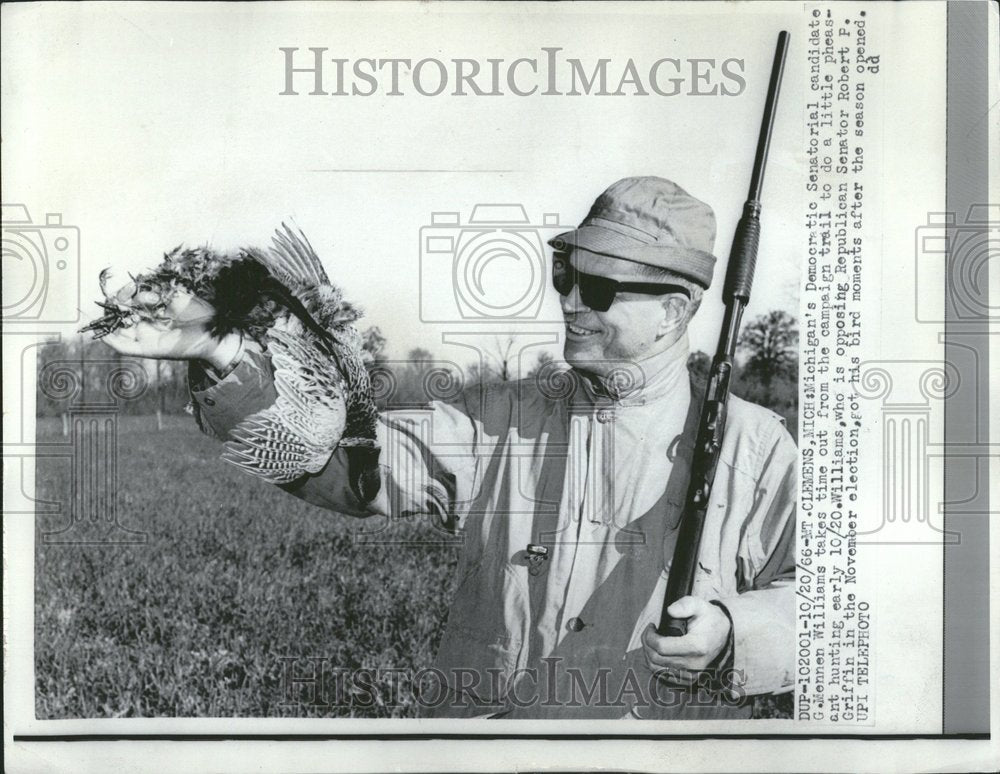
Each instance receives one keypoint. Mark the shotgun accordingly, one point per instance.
(712, 425)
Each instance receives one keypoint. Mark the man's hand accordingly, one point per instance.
(181, 333)
(708, 629)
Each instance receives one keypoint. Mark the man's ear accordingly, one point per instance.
(675, 307)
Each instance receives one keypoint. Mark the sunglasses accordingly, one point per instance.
(598, 293)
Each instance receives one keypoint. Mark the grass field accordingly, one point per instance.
(235, 578)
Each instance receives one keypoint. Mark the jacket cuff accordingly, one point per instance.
(221, 404)
(759, 638)
(724, 661)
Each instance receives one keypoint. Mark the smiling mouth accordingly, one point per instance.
(577, 331)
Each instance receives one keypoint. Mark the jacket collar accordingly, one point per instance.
(641, 382)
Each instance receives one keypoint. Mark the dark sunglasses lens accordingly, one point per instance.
(562, 275)
(598, 293)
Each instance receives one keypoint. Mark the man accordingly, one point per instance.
(569, 494)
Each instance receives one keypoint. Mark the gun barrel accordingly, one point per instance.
(743, 255)
(736, 294)
(767, 122)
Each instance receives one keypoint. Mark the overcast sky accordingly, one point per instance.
(147, 126)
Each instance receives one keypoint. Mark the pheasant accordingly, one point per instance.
(281, 298)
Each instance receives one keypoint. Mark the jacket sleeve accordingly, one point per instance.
(425, 454)
(763, 615)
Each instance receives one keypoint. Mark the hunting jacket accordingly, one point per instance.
(599, 484)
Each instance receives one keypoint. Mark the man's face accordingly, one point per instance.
(635, 327)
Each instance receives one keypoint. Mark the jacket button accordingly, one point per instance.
(209, 401)
(575, 624)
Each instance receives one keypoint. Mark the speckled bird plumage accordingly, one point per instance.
(281, 298)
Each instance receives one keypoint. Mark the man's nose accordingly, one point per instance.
(572, 303)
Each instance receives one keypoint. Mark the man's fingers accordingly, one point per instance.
(673, 676)
(688, 645)
(708, 628)
(124, 341)
(674, 668)
(673, 659)
(126, 293)
(147, 298)
(659, 663)
(686, 607)
(188, 308)
(166, 322)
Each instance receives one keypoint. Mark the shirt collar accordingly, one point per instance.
(643, 381)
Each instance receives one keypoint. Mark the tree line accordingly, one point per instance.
(80, 370)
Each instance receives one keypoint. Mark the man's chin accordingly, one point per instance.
(582, 357)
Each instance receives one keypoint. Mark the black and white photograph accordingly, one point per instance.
(497, 386)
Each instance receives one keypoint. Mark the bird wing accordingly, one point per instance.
(298, 433)
(362, 413)
(293, 261)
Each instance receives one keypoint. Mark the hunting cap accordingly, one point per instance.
(652, 221)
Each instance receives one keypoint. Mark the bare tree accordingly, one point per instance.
(501, 355)
(481, 373)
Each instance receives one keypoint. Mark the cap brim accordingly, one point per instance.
(696, 265)
(595, 239)
(607, 266)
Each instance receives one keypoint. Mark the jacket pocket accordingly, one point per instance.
(485, 641)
